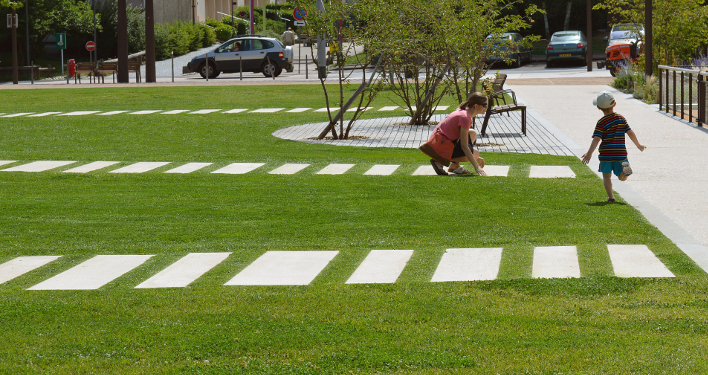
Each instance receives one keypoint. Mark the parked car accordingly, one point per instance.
(509, 45)
(566, 46)
(248, 53)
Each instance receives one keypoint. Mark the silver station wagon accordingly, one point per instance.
(247, 53)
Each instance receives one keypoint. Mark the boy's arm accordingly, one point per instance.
(633, 137)
(588, 155)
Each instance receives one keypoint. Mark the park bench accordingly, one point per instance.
(134, 67)
(105, 68)
(84, 68)
(495, 106)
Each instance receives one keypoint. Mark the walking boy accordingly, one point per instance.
(610, 129)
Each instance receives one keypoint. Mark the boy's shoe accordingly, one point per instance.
(626, 169)
(610, 200)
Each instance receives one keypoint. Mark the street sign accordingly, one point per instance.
(299, 23)
(90, 46)
(299, 13)
(9, 21)
(61, 40)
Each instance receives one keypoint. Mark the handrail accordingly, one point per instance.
(679, 70)
(668, 99)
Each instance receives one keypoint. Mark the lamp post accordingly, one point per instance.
(588, 54)
(648, 52)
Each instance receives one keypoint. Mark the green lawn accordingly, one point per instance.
(596, 324)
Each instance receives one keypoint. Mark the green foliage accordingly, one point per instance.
(631, 79)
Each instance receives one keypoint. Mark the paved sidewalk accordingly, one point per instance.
(669, 180)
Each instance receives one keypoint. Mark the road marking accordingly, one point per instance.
(188, 168)
(289, 169)
(140, 167)
(21, 265)
(184, 271)
(636, 261)
(91, 166)
(284, 268)
(381, 266)
(551, 171)
(38, 166)
(93, 273)
(555, 262)
(336, 169)
(239, 168)
(382, 170)
(468, 264)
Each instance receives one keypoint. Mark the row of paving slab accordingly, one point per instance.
(536, 171)
(302, 267)
(201, 111)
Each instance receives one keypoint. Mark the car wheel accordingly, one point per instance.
(549, 64)
(205, 69)
(517, 61)
(269, 69)
(278, 70)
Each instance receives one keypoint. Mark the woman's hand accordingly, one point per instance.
(480, 171)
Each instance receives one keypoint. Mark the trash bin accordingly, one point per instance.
(72, 67)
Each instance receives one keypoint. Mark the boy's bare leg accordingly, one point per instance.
(606, 178)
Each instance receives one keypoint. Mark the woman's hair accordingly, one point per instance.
(474, 98)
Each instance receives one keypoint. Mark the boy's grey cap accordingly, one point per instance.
(604, 100)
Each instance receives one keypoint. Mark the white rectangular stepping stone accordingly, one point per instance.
(289, 168)
(238, 110)
(20, 266)
(3, 162)
(336, 169)
(204, 111)
(551, 171)
(38, 166)
(79, 113)
(145, 112)
(363, 109)
(382, 170)
(321, 110)
(468, 264)
(441, 108)
(111, 113)
(93, 273)
(636, 261)
(267, 110)
(239, 168)
(184, 271)
(389, 108)
(174, 111)
(18, 114)
(188, 168)
(298, 110)
(555, 262)
(284, 268)
(44, 114)
(381, 267)
(425, 170)
(91, 166)
(140, 167)
(496, 170)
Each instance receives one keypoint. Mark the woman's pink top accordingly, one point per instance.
(450, 126)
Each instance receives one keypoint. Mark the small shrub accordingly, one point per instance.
(224, 32)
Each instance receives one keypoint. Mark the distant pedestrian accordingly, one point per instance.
(610, 129)
(452, 139)
(288, 37)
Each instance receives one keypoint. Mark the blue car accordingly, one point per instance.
(508, 46)
(566, 46)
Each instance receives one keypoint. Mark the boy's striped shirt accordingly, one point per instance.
(611, 129)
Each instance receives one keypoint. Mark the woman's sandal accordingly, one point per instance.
(461, 170)
(438, 168)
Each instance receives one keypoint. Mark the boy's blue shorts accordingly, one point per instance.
(612, 167)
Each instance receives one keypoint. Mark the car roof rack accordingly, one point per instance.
(243, 35)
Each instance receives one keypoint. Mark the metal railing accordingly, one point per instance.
(682, 92)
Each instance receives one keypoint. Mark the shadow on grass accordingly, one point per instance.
(605, 203)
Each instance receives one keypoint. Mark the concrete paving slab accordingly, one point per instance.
(184, 271)
(389, 108)
(111, 113)
(468, 264)
(140, 167)
(363, 109)
(3, 162)
(425, 170)
(145, 112)
(551, 171)
(238, 110)
(336, 169)
(19, 266)
(189, 168)
(44, 114)
(284, 268)
(497, 170)
(79, 113)
(289, 168)
(298, 110)
(175, 111)
(93, 273)
(381, 267)
(267, 110)
(321, 110)
(382, 170)
(38, 166)
(239, 168)
(441, 108)
(204, 111)
(636, 261)
(18, 114)
(555, 262)
(96, 165)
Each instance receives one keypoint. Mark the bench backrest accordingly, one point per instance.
(84, 66)
(108, 66)
(133, 66)
(498, 84)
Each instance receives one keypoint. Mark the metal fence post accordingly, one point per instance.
(690, 97)
(32, 71)
(240, 67)
(206, 66)
(306, 74)
(661, 94)
(682, 100)
(173, 66)
(674, 93)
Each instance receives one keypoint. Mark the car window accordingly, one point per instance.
(267, 44)
(256, 44)
(230, 47)
(565, 37)
(245, 44)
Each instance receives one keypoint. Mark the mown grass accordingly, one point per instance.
(515, 324)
